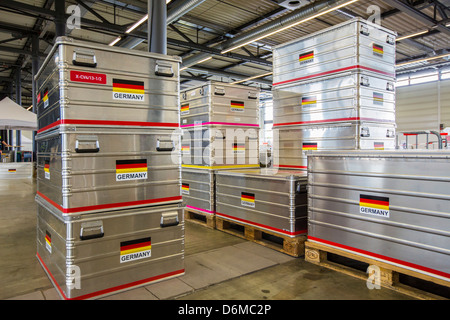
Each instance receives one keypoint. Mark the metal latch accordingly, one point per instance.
(390, 133)
(390, 39)
(84, 58)
(364, 30)
(164, 145)
(364, 81)
(390, 86)
(163, 69)
(252, 95)
(87, 144)
(219, 91)
(184, 95)
(169, 219)
(365, 132)
(91, 230)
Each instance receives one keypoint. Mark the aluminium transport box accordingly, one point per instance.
(215, 147)
(90, 169)
(291, 143)
(352, 45)
(348, 96)
(219, 103)
(198, 190)
(392, 206)
(85, 83)
(266, 198)
(91, 256)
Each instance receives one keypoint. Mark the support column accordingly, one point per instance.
(157, 26)
(19, 102)
(60, 23)
(34, 70)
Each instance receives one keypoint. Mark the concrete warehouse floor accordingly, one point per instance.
(219, 266)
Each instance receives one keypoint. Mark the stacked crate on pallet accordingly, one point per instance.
(334, 90)
(269, 204)
(220, 130)
(108, 175)
(389, 209)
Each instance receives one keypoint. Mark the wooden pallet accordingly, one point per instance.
(388, 274)
(207, 220)
(291, 246)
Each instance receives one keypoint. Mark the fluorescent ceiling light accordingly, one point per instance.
(203, 60)
(289, 26)
(141, 21)
(254, 77)
(422, 60)
(115, 41)
(28, 109)
(137, 24)
(411, 35)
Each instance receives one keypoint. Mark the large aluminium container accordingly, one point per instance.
(291, 143)
(348, 96)
(85, 83)
(392, 206)
(352, 45)
(219, 103)
(89, 256)
(198, 190)
(218, 147)
(92, 168)
(274, 200)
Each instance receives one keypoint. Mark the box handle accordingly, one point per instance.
(169, 219)
(219, 91)
(163, 70)
(87, 144)
(252, 95)
(91, 230)
(164, 145)
(84, 58)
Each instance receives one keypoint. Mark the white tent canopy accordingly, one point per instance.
(14, 117)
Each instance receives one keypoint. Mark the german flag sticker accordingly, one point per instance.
(135, 249)
(12, 170)
(185, 188)
(248, 199)
(306, 57)
(131, 169)
(185, 109)
(47, 169)
(308, 101)
(237, 106)
(185, 148)
(378, 98)
(309, 146)
(378, 145)
(374, 205)
(238, 148)
(48, 241)
(45, 98)
(377, 50)
(128, 90)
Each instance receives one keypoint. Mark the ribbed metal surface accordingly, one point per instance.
(383, 205)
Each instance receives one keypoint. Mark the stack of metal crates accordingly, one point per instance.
(334, 90)
(108, 171)
(220, 130)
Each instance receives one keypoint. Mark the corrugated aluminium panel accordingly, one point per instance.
(352, 45)
(90, 257)
(392, 206)
(218, 103)
(269, 199)
(348, 96)
(82, 83)
(92, 169)
(293, 142)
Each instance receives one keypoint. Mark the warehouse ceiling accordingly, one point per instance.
(223, 40)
